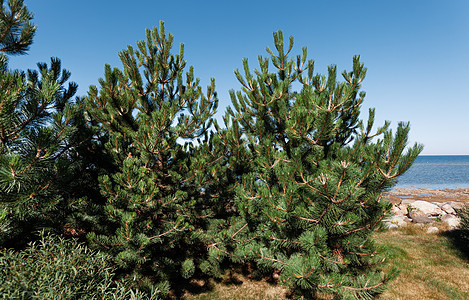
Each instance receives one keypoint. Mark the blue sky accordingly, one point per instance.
(416, 51)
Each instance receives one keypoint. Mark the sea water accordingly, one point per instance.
(437, 172)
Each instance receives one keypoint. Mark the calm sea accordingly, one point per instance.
(437, 172)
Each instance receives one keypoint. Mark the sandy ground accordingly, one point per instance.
(430, 195)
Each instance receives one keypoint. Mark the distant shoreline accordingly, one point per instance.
(430, 195)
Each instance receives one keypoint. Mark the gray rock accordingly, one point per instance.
(421, 219)
(403, 208)
(429, 209)
(407, 219)
(455, 205)
(396, 211)
(452, 220)
(447, 208)
(398, 220)
(432, 230)
(416, 212)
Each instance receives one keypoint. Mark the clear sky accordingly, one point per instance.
(416, 51)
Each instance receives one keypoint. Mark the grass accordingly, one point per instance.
(241, 288)
(431, 268)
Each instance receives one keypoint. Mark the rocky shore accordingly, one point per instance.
(435, 209)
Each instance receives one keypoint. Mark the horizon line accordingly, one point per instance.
(443, 155)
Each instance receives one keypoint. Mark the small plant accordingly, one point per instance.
(410, 209)
(463, 213)
(56, 268)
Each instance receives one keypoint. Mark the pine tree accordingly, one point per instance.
(36, 125)
(16, 35)
(16, 29)
(156, 209)
(38, 133)
(313, 191)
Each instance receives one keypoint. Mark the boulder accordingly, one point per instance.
(432, 230)
(429, 209)
(447, 208)
(452, 220)
(403, 208)
(417, 218)
(455, 205)
(398, 220)
(396, 211)
(416, 212)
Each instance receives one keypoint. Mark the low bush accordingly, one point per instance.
(463, 213)
(57, 268)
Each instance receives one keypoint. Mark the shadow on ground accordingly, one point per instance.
(460, 241)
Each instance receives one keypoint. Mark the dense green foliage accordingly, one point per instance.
(463, 213)
(16, 29)
(293, 183)
(55, 268)
(312, 196)
(156, 203)
(41, 132)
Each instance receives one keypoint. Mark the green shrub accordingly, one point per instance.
(56, 268)
(316, 173)
(157, 207)
(464, 225)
